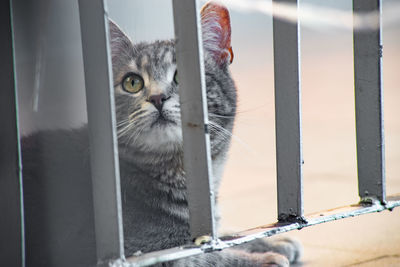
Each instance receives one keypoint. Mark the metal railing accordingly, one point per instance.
(102, 135)
(369, 127)
(11, 204)
(101, 119)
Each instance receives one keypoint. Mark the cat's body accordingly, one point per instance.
(155, 209)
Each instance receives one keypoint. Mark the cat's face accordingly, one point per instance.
(146, 96)
(146, 86)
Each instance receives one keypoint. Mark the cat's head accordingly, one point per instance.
(146, 86)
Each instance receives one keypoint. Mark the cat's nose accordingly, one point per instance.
(158, 101)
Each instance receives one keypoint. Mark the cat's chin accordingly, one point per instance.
(163, 137)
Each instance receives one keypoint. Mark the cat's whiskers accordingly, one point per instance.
(135, 135)
(123, 127)
(123, 132)
(224, 133)
(130, 137)
(135, 114)
(256, 108)
(131, 122)
(220, 116)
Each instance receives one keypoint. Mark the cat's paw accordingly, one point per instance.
(289, 247)
(272, 259)
(286, 246)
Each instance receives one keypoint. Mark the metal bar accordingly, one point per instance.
(11, 205)
(164, 255)
(193, 103)
(260, 232)
(102, 133)
(288, 115)
(369, 104)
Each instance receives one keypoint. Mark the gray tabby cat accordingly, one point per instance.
(150, 142)
(155, 210)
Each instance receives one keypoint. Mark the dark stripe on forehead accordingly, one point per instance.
(166, 53)
(157, 55)
(159, 62)
(139, 61)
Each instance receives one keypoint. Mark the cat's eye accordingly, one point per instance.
(176, 77)
(132, 83)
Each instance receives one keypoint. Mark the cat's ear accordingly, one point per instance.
(216, 28)
(119, 41)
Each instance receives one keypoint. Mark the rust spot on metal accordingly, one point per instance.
(193, 125)
(291, 218)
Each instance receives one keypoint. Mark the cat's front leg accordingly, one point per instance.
(289, 247)
(232, 258)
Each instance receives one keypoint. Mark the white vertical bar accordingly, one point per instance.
(369, 104)
(288, 115)
(197, 159)
(11, 204)
(102, 135)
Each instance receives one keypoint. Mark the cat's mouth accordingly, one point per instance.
(162, 121)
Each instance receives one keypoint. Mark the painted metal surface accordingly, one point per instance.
(102, 133)
(288, 116)
(193, 103)
(11, 203)
(369, 104)
(58, 204)
(260, 232)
